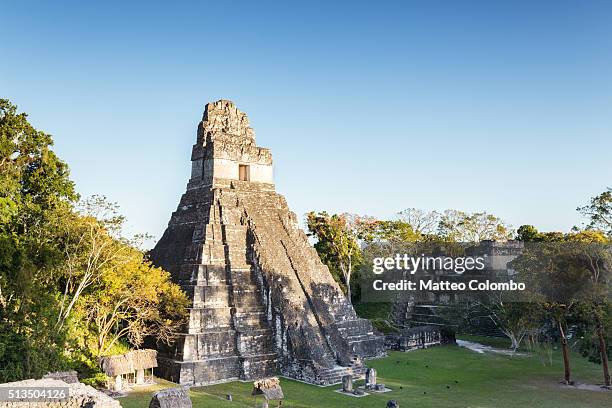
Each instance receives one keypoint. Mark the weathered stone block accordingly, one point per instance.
(171, 398)
(370, 377)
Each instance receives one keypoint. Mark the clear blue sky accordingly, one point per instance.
(497, 106)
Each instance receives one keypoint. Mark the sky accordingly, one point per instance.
(368, 107)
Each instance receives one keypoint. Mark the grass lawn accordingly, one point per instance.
(438, 377)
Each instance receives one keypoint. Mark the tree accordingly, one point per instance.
(34, 190)
(515, 318)
(411, 225)
(528, 233)
(131, 301)
(423, 223)
(108, 285)
(582, 259)
(58, 264)
(338, 241)
(599, 212)
(459, 226)
(558, 281)
(90, 241)
(595, 254)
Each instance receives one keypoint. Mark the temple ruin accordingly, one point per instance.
(262, 301)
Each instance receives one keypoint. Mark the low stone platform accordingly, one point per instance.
(419, 337)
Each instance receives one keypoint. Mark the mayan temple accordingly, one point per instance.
(263, 303)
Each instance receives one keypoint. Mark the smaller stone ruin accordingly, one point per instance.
(127, 369)
(79, 395)
(392, 404)
(171, 398)
(349, 389)
(69, 377)
(270, 388)
(418, 337)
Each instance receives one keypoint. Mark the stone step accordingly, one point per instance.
(359, 338)
(201, 319)
(210, 295)
(238, 264)
(250, 320)
(261, 356)
(235, 235)
(246, 296)
(210, 274)
(242, 275)
(216, 369)
(334, 376)
(236, 257)
(259, 366)
(355, 327)
(212, 254)
(255, 342)
(210, 345)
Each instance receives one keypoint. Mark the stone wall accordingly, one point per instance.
(418, 338)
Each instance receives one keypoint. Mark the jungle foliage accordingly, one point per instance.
(71, 287)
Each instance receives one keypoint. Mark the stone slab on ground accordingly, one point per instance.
(352, 394)
(171, 398)
(375, 391)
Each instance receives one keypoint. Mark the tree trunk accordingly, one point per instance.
(604, 354)
(515, 344)
(566, 361)
(348, 289)
(346, 273)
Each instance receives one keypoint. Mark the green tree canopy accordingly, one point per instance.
(599, 212)
(64, 265)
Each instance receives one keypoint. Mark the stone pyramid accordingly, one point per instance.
(262, 301)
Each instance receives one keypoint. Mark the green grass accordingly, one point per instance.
(439, 377)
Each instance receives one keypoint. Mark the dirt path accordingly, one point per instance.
(482, 349)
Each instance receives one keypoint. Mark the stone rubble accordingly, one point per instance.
(270, 388)
(80, 396)
(69, 377)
